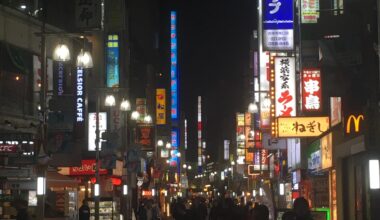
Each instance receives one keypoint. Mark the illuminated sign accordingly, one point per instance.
(285, 86)
(310, 11)
(145, 136)
(160, 107)
(92, 128)
(8, 148)
(226, 149)
(88, 167)
(320, 153)
(355, 120)
(164, 153)
(294, 153)
(335, 110)
(173, 65)
(112, 61)
(326, 151)
(185, 134)
(80, 95)
(278, 25)
(302, 126)
(311, 90)
(175, 138)
(199, 129)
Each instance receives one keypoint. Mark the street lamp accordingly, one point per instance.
(84, 59)
(61, 53)
(135, 115)
(148, 119)
(125, 106)
(252, 108)
(160, 143)
(168, 145)
(110, 101)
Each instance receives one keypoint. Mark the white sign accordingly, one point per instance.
(279, 39)
(92, 129)
(80, 97)
(285, 86)
(294, 153)
(270, 143)
(226, 149)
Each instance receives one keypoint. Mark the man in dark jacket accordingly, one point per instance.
(84, 211)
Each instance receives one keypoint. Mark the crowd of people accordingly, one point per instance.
(230, 209)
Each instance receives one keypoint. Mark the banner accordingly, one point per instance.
(285, 86)
(145, 136)
(160, 106)
(311, 90)
(60, 72)
(278, 25)
(302, 126)
(112, 68)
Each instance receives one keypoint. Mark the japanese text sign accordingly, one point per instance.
(278, 25)
(311, 90)
(302, 126)
(87, 14)
(160, 106)
(285, 86)
(310, 11)
(88, 167)
(145, 136)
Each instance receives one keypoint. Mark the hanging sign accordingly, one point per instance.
(311, 90)
(302, 126)
(160, 107)
(285, 86)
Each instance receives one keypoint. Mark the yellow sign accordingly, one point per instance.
(326, 151)
(160, 107)
(356, 120)
(302, 126)
(240, 119)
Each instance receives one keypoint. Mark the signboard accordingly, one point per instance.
(240, 138)
(145, 136)
(164, 153)
(226, 149)
(8, 148)
(278, 25)
(173, 65)
(141, 107)
(302, 126)
(20, 173)
(87, 14)
(354, 124)
(311, 90)
(310, 11)
(60, 72)
(314, 160)
(92, 128)
(88, 167)
(335, 110)
(326, 151)
(175, 138)
(199, 129)
(270, 143)
(285, 86)
(160, 106)
(80, 96)
(294, 153)
(112, 68)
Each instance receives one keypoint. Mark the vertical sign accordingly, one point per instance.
(278, 25)
(311, 90)
(92, 128)
(285, 86)
(173, 65)
(141, 107)
(87, 14)
(336, 110)
(59, 78)
(145, 136)
(249, 137)
(226, 149)
(240, 138)
(112, 61)
(199, 129)
(160, 107)
(175, 143)
(326, 151)
(80, 96)
(185, 141)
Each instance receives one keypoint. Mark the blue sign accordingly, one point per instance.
(278, 25)
(173, 65)
(113, 61)
(175, 138)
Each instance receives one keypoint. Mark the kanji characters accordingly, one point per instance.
(276, 4)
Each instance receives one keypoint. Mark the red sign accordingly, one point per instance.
(88, 168)
(8, 148)
(311, 90)
(145, 136)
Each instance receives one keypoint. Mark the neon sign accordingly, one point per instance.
(356, 120)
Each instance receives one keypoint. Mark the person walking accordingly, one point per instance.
(84, 211)
(301, 209)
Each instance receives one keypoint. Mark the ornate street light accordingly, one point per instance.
(168, 145)
(160, 143)
(135, 115)
(252, 108)
(110, 101)
(84, 59)
(125, 105)
(148, 119)
(61, 53)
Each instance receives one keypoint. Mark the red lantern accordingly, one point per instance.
(116, 181)
(93, 180)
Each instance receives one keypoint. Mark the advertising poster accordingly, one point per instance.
(311, 90)
(112, 68)
(278, 25)
(160, 106)
(309, 11)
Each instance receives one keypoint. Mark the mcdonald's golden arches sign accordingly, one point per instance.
(354, 123)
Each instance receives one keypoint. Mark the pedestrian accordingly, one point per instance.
(289, 215)
(22, 210)
(84, 211)
(301, 209)
(260, 212)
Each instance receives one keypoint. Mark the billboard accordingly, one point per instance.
(173, 65)
(285, 86)
(354, 124)
(160, 106)
(309, 11)
(278, 25)
(311, 90)
(302, 126)
(112, 68)
(92, 128)
(335, 110)
(326, 151)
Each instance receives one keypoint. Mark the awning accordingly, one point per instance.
(54, 179)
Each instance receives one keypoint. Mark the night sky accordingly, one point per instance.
(214, 56)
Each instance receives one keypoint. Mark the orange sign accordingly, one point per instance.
(160, 107)
(356, 120)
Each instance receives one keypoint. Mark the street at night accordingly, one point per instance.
(189, 110)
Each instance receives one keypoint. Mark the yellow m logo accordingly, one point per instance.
(356, 123)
